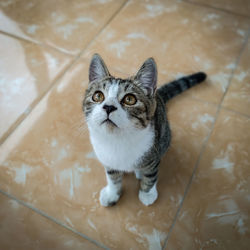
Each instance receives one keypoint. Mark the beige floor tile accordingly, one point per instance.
(66, 25)
(238, 95)
(215, 213)
(182, 37)
(241, 7)
(48, 161)
(26, 72)
(23, 229)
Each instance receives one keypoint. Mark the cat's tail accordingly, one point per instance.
(170, 90)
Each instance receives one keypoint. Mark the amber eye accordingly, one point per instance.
(129, 99)
(98, 97)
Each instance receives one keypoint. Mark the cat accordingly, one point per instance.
(128, 126)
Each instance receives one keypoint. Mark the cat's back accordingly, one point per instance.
(161, 125)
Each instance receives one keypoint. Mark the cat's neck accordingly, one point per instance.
(121, 150)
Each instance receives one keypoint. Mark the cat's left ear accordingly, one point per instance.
(147, 76)
(97, 69)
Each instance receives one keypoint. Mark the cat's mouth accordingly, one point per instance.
(109, 122)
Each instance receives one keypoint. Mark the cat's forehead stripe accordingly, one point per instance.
(126, 87)
(117, 85)
(113, 81)
(113, 90)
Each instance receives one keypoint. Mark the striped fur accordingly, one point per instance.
(172, 89)
(138, 135)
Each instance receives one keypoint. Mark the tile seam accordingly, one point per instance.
(54, 220)
(204, 144)
(235, 112)
(35, 42)
(217, 8)
(237, 61)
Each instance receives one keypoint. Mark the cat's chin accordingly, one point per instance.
(109, 125)
(109, 122)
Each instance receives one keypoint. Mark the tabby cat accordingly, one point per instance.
(128, 126)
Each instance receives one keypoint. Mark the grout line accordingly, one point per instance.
(60, 75)
(35, 42)
(237, 60)
(20, 38)
(236, 112)
(216, 8)
(41, 213)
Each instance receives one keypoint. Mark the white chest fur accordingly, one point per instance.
(121, 151)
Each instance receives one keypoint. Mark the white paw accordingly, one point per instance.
(148, 198)
(108, 197)
(138, 174)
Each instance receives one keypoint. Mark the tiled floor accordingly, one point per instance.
(49, 177)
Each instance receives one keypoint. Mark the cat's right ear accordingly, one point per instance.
(97, 69)
(147, 76)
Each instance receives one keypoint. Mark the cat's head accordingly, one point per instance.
(113, 104)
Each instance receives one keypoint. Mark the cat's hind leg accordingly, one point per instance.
(110, 194)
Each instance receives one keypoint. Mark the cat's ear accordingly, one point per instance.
(147, 76)
(97, 69)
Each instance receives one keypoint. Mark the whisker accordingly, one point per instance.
(80, 127)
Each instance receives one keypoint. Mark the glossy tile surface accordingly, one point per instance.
(26, 72)
(66, 25)
(23, 229)
(183, 38)
(238, 95)
(47, 161)
(241, 7)
(215, 214)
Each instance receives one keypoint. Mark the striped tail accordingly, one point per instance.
(172, 89)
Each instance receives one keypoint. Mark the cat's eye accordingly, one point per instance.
(129, 99)
(98, 97)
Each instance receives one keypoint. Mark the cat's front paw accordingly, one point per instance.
(108, 197)
(148, 198)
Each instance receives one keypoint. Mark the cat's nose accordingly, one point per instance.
(109, 108)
